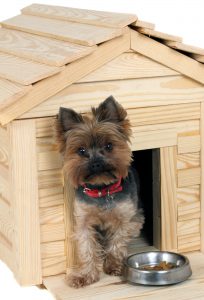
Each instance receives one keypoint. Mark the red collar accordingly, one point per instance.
(109, 190)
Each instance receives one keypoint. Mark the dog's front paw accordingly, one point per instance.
(81, 280)
(112, 266)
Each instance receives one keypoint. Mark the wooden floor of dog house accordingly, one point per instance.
(109, 287)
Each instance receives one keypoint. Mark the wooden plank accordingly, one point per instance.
(23, 71)
(202, 178)
(112, 287)
(101, 18)
(159, 35)
(41, 49)
(163, 114)
(53, 265)
(153, 139)
(189, 142)
(167, 56)
(50, 179)
(185, 48)
(52, 232)
(134, 93)
(70, 244)
(83, 34)
(6, 223)
(143, 24)
(188, 227)
(188, 199)
(45, 127)
(189, 242)
(52, 249)
(5, 189)
(189, 194)
(73, 72)
(126, 66)
(188, 177)
(188, 160)
(4, 147)
(51, 196)
(49, 160)
(46, 144)
(159, 135)
(11, 92)
(52, 215)
(198, 57)
(189, 211)
(168, 199)
(24, 194)
(6, 255)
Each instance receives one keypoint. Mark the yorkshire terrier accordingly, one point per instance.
(97, 162)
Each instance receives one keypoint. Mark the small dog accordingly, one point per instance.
(97, 161)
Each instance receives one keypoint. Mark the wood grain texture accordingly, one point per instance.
(24, 194)
(111, 287)
(52, 249)
(189, 142)
(189, 243)
(188, 177)
(6, 224)
(202, 177)
(83, 34)
(53, 265)
(51, 196)
(126, 66)
(159, 135)
(11, 92)
(159, 35)
(167, 56)
(185, 48)
(188, 227)
(52, 232)
(188, 160)
(70, 245)
(52, 215)
(101, 18)
(49, 160)
(73, 72)
(23, 71)
(168, 199)
(143, 24)
(163, 114)
(132, 93)
(41, 49)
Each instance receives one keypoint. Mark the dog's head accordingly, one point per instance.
(95, 148)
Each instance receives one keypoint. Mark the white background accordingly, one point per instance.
(183, 18)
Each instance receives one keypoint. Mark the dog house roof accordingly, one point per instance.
(46, 48)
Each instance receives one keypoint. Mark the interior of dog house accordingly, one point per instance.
(54, 56)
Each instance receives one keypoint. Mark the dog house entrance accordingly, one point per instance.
(147, 165)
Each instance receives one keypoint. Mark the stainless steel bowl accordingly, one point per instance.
(134, 274)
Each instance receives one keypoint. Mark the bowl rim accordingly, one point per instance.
(179, 268)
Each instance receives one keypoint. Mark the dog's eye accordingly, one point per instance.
(81, 151)
(109, 147)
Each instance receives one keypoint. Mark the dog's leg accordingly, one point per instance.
(121, 231)
(90, 253)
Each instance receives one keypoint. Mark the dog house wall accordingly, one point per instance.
(166, 112)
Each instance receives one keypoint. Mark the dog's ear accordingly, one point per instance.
(111, 111)
(66, 120)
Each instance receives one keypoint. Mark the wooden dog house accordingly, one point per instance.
(52, 56)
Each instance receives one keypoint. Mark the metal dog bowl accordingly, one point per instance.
(136, 268)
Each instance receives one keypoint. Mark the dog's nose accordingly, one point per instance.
(96, 166)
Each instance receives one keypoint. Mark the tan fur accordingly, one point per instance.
(121, 227)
